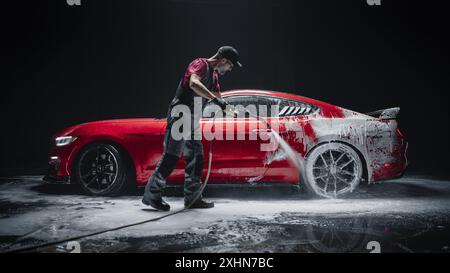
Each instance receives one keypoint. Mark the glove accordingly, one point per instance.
(220, 102)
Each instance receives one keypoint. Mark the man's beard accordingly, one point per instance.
(221, 71)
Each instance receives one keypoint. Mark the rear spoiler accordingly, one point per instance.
(390, 113)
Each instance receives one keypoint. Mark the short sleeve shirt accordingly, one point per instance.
(199, 67)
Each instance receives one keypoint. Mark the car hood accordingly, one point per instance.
(131, 125)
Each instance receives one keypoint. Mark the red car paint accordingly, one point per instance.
(242, 161)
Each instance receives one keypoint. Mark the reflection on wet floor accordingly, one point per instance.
(408, 215)
(291, 233)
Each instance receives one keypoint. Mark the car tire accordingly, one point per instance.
(101, 169)
(332, 170)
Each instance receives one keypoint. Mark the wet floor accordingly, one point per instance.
(411, 214)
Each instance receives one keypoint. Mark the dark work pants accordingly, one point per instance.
(193, 156)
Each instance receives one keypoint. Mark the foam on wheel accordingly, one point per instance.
(333, 169)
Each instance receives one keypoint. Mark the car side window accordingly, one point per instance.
(250, 103)
(286, 107)
(255, 104)
(268, 103)
(244, 101)
(241, 100)
(260, 105)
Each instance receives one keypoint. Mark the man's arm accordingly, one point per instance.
(217, 94)
(200, 89)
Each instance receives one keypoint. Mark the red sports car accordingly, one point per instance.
(341, 148)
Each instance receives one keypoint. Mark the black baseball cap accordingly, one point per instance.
(231, 54)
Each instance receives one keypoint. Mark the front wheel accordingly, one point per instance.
(333, 169)
(100, 169)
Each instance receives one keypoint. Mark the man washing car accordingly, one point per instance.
(200, 79)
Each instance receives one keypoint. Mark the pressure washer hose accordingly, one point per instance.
(119, 227)
(202, 188)
(123, 226)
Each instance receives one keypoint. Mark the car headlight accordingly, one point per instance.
(64, 140)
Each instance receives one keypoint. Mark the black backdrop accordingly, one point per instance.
(65, 65)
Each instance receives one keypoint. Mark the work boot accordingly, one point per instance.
(199, 204)
(158, 204)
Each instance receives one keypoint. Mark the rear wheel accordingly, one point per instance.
(101, 169)
(333, 169)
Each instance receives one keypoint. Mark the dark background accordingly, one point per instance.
(65, 65)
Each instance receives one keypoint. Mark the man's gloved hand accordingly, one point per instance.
(220, 102)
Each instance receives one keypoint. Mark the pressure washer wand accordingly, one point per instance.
(250, 114)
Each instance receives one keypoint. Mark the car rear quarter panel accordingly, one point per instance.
(377, 141)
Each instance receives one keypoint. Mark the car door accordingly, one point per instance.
(294, 127)
(238, 156)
